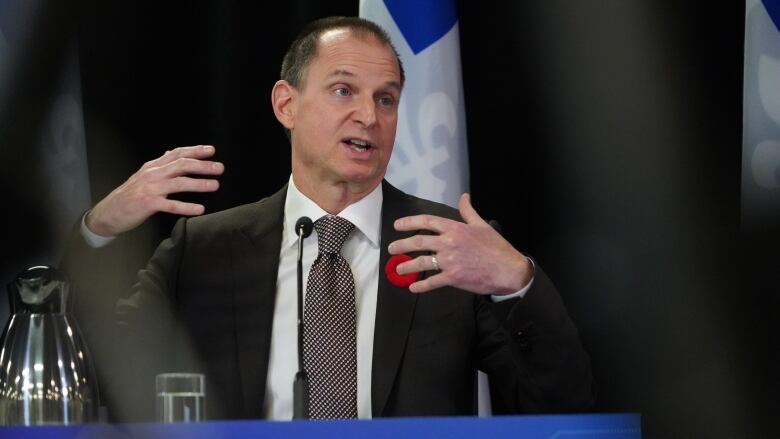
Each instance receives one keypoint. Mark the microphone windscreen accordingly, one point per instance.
(303, 226)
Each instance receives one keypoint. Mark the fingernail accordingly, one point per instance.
(208, 147)
(216, 166)
(390, 247)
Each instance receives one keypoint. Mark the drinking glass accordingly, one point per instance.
(181, 397)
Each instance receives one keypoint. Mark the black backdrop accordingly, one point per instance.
(605, 136)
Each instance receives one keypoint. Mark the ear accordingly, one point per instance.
(283, 97)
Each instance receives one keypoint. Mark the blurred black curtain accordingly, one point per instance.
(605, 136)
(615, 127)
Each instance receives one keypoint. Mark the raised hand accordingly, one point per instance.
(146, 192)
(471, 256)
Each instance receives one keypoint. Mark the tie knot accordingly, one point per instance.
(332, 231)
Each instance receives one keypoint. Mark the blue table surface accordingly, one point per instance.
(607, 426)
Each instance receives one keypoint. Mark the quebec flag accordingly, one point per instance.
(761, 115)
(430, 158)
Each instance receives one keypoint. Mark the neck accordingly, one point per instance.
(333, 197)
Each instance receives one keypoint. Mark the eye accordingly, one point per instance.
(387, 101)
(342, 91)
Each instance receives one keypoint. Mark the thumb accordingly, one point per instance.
(467, 211)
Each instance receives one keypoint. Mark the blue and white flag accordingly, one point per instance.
(430, 159)
(761, 115)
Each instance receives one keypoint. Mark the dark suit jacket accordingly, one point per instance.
(206, 300)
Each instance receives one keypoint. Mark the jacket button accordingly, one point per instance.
(523, 340)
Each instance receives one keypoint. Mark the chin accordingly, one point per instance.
(362, 177)
(361, 172)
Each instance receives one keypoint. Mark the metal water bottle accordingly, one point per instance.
(46, 374)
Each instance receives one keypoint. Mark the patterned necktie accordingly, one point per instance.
(330, 326)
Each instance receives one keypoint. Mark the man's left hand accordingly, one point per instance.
(471, 256)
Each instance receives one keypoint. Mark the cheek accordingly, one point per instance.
(389, 132)
(328, 122)
(313, 115)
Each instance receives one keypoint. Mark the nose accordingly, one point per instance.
(365, 111)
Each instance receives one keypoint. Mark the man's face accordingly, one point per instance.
(345, 112)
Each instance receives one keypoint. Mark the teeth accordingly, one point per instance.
(358, 145)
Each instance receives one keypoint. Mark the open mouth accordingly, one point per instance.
(358, 144)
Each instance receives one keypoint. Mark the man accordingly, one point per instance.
(220, 293)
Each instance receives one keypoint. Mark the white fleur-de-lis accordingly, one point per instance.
(414, 164)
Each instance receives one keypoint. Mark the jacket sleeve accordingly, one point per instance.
(533, 355)
(125, 316)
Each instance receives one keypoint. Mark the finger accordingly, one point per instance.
(415, 243)
(196, 152)
(422, 222)
(430, 283)
(467, 210)
(418, 264)
(179, 207)
(184, 184)
(186, 166)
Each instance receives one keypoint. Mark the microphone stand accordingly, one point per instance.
(301, 384)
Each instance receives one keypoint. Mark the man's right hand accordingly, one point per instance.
(146, 192)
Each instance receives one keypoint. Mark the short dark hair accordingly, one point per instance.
(304, 48)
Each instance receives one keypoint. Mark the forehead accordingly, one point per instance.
(345, 51)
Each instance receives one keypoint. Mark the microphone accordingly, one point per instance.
(304, 226)
(303, 229)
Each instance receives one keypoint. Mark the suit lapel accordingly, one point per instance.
(256, 263)
(395, 307)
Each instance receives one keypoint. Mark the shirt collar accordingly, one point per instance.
(365, 214)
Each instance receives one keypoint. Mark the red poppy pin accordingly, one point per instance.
(399, 280)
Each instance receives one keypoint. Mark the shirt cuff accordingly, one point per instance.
(517, 294)
(91, 238)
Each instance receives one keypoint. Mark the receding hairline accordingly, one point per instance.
(361, 34)
(358, 32)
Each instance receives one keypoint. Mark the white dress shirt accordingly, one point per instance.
(361, 251)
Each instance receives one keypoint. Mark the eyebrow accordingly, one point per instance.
(341, 72)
